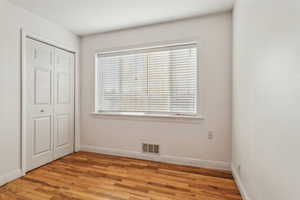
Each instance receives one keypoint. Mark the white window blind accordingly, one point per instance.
(148, 81)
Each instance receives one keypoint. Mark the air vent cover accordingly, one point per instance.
(150, 148)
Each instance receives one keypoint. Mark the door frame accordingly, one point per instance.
(24, 36)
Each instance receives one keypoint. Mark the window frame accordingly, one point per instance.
(198, 114)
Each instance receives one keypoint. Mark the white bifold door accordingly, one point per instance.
(49, 103)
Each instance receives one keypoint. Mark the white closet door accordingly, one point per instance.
(50, 104)
(40, 66)
(64, 103)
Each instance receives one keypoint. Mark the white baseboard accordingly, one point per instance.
(160, 158)
(239, 183)
(5, 178)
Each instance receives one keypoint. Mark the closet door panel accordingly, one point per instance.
(42, 135)
(39, 119)
(64, 103)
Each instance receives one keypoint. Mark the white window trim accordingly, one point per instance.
(198, 114)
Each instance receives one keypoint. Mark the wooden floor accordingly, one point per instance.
(94, 176)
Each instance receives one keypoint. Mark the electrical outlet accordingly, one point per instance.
(210, 135)
(239, 169)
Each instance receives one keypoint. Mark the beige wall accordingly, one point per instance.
(11, 20)
(266, 139)
(181, 140)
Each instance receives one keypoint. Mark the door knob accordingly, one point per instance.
(42, 110)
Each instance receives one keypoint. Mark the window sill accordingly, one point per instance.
(148, 115)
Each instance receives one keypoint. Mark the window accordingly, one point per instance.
(158, 81)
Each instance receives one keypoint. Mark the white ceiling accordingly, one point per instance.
(84, 17)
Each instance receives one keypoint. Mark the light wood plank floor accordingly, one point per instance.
(84, 176)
